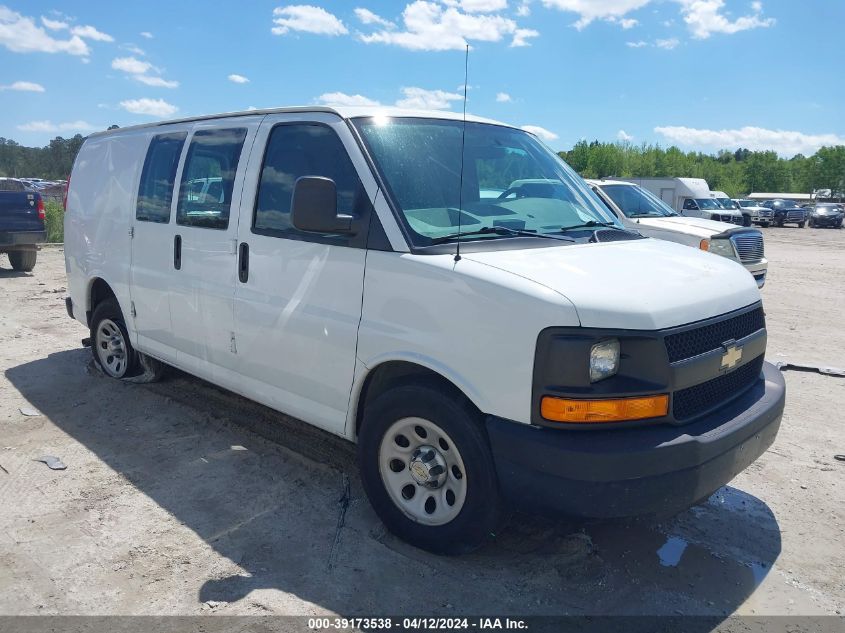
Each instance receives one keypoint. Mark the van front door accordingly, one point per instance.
(203, 246)
(299, 295)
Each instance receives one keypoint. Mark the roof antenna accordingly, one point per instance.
(463, 138)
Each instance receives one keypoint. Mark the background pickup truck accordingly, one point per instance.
(21, 223)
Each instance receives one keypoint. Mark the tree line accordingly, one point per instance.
(736, 173)
(51, 162)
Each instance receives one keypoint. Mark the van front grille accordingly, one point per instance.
(706, 338)
(694, 401)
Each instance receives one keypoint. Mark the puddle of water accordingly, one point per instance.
(671, 551)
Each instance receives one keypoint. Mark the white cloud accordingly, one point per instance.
(20, 34)
(524, 9)
(543, 133)
(54, 25)
(478, 6)
(238, 79)
(131, 65)
(704, 17)
(156, 82)
(151, 107)
(422, 99)
(590, 10)
(134, 49)
(503, 97)
(138, 69)
(343, 99)
(49, 126)
(147, 35)
(667, 44)
(638, 44)
(368, 17)
(24, 86)
(784, 142)
(623, 136)
(306, 18)
(429, 26)
(520, 37)
(90, 33)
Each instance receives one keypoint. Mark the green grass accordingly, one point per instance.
(55, 221)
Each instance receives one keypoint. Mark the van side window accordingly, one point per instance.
(293, 151)
(690, 205)
(205, 191)
(158, 177)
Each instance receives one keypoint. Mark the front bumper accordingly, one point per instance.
(653, 470)
(758, 270)
(823, 220)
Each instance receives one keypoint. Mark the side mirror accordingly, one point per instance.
(314, 207)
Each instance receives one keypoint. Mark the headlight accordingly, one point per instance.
(604, 359)
(723, 248)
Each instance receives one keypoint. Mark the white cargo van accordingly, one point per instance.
(691, 197)
(640, 210)
(558, 362)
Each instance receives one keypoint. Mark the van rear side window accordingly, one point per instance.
(205, 192)
(158, 177)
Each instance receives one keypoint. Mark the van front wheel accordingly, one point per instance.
(427, 469)
(110, 341)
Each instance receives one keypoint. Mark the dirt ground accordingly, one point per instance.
(180, 498)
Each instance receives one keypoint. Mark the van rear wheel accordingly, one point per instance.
(427, 469)
(110, 341)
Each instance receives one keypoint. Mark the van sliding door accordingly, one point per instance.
(203, 257)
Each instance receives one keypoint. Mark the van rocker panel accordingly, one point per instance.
(623, 472)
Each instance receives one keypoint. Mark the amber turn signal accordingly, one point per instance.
(598, 411)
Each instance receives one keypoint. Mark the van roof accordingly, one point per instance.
(345, 112)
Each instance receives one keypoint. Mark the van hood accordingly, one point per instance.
(636, 285)
(691, 226)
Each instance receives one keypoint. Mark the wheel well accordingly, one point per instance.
(100, 291)
(388, 374)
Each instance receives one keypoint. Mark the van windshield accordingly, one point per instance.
(636, 202)
(726, 203)
(509, 179)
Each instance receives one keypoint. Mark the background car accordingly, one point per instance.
(826, 214)
(787, 212)
(759, 214)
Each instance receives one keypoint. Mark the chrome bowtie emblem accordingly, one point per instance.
(732, 355)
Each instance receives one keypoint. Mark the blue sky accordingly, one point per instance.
(701, 74)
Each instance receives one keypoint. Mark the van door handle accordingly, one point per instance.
(243, 262)
(177, 252)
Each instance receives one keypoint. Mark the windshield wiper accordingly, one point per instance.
(591, 224)
(498, 230)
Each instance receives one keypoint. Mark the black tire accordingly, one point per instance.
(801, 225)
(481, 514)
(746, 220)
(23, 261)
(109, 310)
(765, 225)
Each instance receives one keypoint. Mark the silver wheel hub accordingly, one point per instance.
(423, 471)
(428, 467)
(111, 348)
